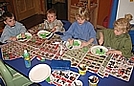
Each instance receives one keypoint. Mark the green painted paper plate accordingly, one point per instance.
(43, 34)
(27, 35)
(76, 44)
(99, 50)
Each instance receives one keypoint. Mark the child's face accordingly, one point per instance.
(10, 21)
(51, 17)
(80, 20)
(118, 31)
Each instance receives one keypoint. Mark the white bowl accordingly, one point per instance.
(44, 32)
(27, 35)
(73, 46)
(99, 50)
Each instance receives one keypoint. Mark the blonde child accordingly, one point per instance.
(81, 29)
(117, 38)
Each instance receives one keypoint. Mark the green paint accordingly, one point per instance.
(76, 43)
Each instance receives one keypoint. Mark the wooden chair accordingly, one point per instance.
(11, 77)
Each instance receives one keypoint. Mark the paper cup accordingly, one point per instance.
(82, 69)
(93, 81)
(82, 72)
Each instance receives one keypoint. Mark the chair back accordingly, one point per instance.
(6, 75)
(2, 82)
(66, 24)
(12, 77)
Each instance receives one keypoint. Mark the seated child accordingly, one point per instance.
(117, 38)
(52, 24)
(12, 28)
(81, 29)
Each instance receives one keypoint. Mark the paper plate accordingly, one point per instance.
(39, 73)
(77, 83)
(43, 33)
(99, 50)
(27, 35)
(76, 44)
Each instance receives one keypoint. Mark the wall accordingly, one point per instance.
(125, 7)
(104, 10)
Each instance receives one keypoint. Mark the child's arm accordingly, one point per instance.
(87, 43)
(46, 25)
(23, 35)
(22, 27)
(12, 39)
(59, 26)
(5, 37)
(101, 38)
(114, 51)
(70, 41)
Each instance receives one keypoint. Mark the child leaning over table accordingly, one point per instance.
(52, 24)
(12, 28)
(81, 29)
(117, 38)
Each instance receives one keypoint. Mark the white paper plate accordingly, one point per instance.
(39, 73)
(77, 83)
(76, 44)
(27, 35)
(99, 50)
(42, 34)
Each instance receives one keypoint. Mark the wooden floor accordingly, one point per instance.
(33, 20)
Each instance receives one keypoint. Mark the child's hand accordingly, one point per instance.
(70, 41)
(100, 41)
(13, 38)
(84, 44)
(53, 30)
(22, 35)
(114, 52)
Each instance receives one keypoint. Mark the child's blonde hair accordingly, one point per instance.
(124, 23)
(82, 13)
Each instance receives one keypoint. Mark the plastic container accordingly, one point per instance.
(82, 69)
(93, 80)
(27, 60)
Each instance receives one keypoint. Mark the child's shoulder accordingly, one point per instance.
(19, 23)
(56, 20)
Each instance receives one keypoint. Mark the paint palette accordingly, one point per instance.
(75, 55)
(92, 62)
(64, 78)
(118, 67)
(9, 50)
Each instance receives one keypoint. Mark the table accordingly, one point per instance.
(109, 81)
(40, 49)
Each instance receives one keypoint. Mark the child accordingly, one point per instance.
(81, 29)
(52, 24)
(117, 38)
(12, 28)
